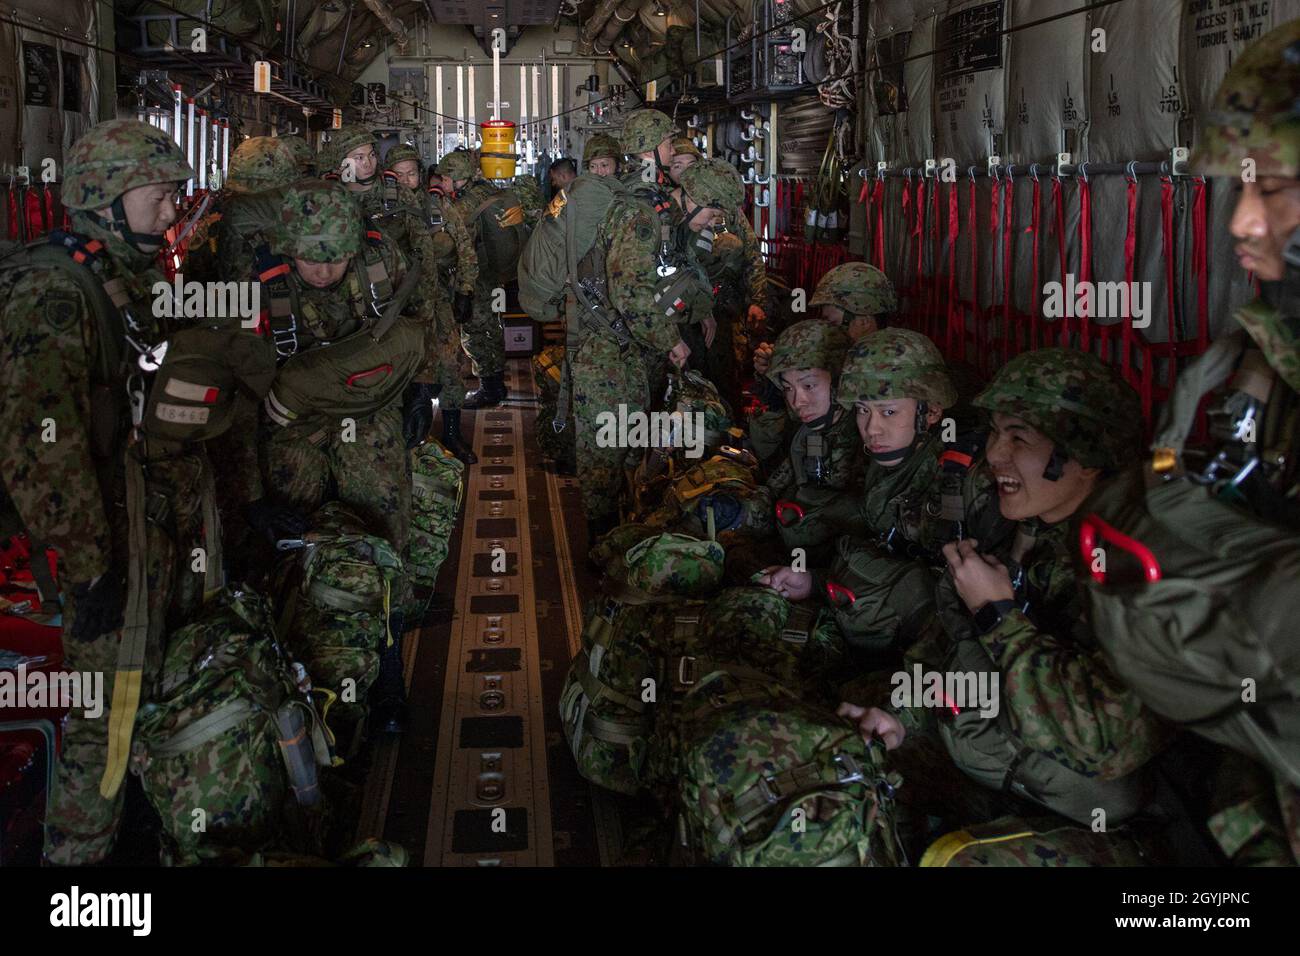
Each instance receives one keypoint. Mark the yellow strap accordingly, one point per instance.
(388, 618)
(942, 850)
(135, 636)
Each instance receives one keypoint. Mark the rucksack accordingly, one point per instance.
(502, 232)
(437, 489)
(561, 241)
(336, 601)
(1205, 634)
(218, 735)
(786, 785)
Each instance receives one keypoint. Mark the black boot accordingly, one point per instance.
(390, 713)
(491, 390)
(451, 437)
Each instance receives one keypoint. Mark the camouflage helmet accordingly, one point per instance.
(1075, 399)
(711, 182)
(808, 344)
(116, 156)
(343, 141)
(857, 288)
(261, 162)
(458, 164)
(644, 130)
(601, 146)
(320, 221)
(400, 153)
(892, 364)
(682, 146)
(302, 152)
(1256, 113)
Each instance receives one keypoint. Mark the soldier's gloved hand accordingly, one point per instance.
(679, 354)
(99, 606)
(463, 307)
(274, 521)
(417, 412)
(728, 513)
(874, 722)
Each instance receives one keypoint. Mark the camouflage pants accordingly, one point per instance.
(80, 824)
(603, 379)
(556, 445)
(446, 371)
(483, 337)
(371, 473)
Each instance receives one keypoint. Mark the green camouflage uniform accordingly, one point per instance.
(482, 337)
(74, 493)
(1256, 808)
(1057, 691)
(371, 475)
(529, 192)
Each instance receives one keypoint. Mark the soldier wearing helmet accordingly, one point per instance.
(895, 387)
(1065, 426)
(302, 154)
(341, 294)
(601, 155)
(494, 218)
(1241, 487)
(102, 452)
(451, 272)
(824, 458)
(258, 165)
(648, 138)
(685, 152)
(728, 251)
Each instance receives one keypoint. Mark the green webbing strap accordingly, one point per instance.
(437, 488)
(707, 669)
(799, 624)
(213, 576)
(595, 689)
(771, 790)
(623, 733)
(329, 596)
(209, 727)
(135, 635)
(397, 302)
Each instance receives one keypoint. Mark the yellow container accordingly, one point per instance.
(498, 156)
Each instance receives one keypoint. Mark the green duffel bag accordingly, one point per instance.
(207, 747)
(787, 785)
(337, 601)
(438, 487)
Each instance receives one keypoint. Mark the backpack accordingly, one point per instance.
(336, 594)
(217, 736)
(562, 240)
(1206, 633)
(786, 785)
(437, 489)
(502, 232)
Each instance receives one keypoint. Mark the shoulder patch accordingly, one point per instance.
(645, 230)
(60, 310)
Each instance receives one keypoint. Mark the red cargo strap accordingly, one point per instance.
(1200, 265)
(1036, 292)
(33, 212)
(1093, 526)
(385, 368)
(47, 195)
(863, 193)
(954, 233)
(1008, 202)
(13, 211)
(974, 269)
(1130, 250)
(836, 591)
(1085, 259)
(878, 199)
(1167, 241)
(1058, 201)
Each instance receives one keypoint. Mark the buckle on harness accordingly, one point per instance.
(286, 340)
(847, 769)
(684, 664)
(377, 305)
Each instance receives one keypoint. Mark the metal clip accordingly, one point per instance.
(135, 395)
(290, 544)
(1130, 171)
(847, 769)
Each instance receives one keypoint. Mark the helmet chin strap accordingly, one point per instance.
(119, 224)
(1056, 464)
(920, 430)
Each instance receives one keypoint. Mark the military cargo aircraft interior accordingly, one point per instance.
(637, 434)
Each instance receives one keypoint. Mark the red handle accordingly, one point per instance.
(1093, 526)
(783, 506)
(835, 591)
(386, 369)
